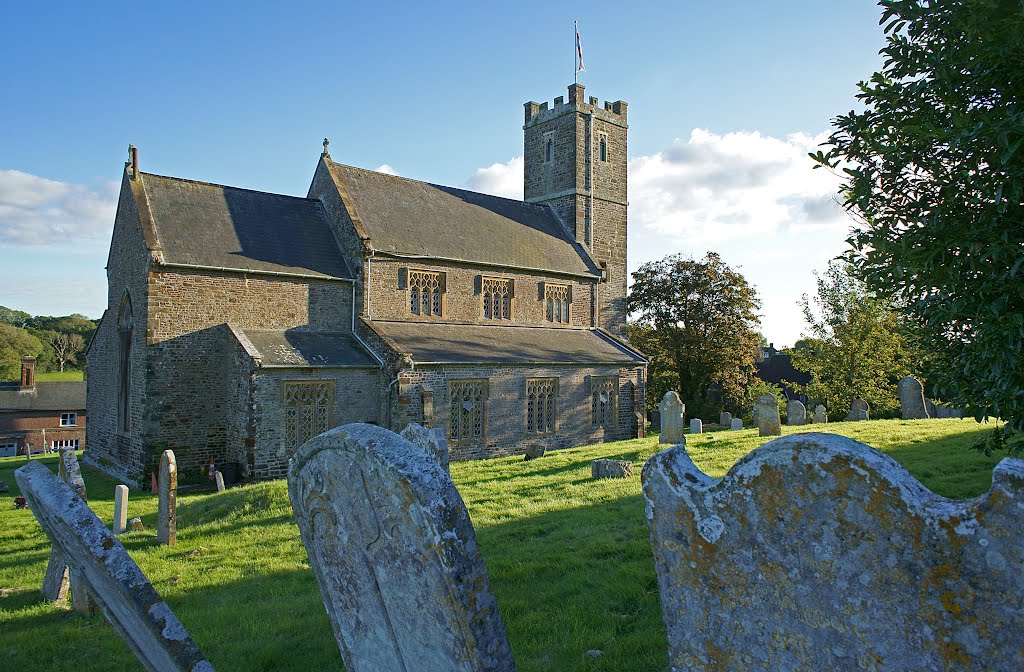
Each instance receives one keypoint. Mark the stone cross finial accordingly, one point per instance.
(327, 141)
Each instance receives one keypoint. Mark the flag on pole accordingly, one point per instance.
(579, 50)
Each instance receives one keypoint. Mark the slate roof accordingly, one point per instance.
(461, 343)
(408, 217)
(207, 224)
(302, 349)
(48, 396)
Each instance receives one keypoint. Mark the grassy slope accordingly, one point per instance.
(569, 559)
(51, 376)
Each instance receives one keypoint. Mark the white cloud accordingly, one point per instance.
(500, 179)
(38, 211)
(387, 169)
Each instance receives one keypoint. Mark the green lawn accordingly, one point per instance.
(50, 376)
(569, 558)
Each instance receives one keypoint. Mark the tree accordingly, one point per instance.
(855, 345)
(15, 343)
(66, 347)
(698, 320)
(934, 170)
(11, 316)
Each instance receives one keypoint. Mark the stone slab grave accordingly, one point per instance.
(816, 552)
(58, 580)
(767, 411)
(725, 418)
(121, 590)
(394, 555)
(859, 411)
(820, 415)
(696, 426)
(736, 424)
(612, 468)
(912, 403)
(433, 440)
(796, 412)
(671, 410)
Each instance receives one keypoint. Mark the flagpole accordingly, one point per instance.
(575, 66)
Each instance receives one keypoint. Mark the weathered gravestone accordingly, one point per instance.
(725, 418)
(816, 552)
(218, 478)
(120, 509)
(912, 403)
(433, 440)
(533, 451)
(820, 416)
(796, 412)
(948, 412)
(395, 556)
(858, 411)
(167, 508)
(671, 409)
(767, 411)
(737, 424)
(696, 426)
(611, 468)
(119, 587)
(57, 581)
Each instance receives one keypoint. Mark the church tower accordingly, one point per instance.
(575, 161)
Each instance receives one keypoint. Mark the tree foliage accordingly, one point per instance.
(854, 346)
(15, 343)
(934, 174)
(697, 319)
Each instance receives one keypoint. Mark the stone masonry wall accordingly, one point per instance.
(358, 395)
(122, 455)
(463, 302)
(505, 410)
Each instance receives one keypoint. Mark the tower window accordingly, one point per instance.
(602, 147)
(549, 147)
(426, 292)
(497, 293)
(556, 303)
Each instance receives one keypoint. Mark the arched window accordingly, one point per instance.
(603, 148)
(549, 148)
(125, 327)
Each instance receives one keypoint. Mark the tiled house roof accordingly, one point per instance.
(410, 218)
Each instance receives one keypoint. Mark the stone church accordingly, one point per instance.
(242, 323)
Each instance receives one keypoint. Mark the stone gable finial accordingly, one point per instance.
(327, 141)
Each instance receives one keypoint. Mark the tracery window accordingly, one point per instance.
(603, 401)
(541, 405)
(307, 410)
(125, 329)
(468, 401)
(425, 292)
(497, 293)
(556, 303)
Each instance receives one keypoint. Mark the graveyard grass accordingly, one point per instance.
(569, 558)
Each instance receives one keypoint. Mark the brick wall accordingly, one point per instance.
(39, 429)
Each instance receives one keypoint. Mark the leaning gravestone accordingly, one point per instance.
(737, 424)
(816, 552)
(671, 409)
(395, 556)
(57, 579)
(120, 588)
(611, 468)
(167, 510)
(858, 411)
(767, 411)
(696, 426)
(725, 418)
(820, 416)
(796, 412)
(912, 403)
(433, 440)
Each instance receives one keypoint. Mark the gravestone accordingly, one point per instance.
(57, 579)
(119, 587)
(912, 403)
(611, 468)
(796, 412)
(533, 451)
(948, 412)
(696, 426)
(394, 555)
(816, 552)
(725, 418)
(858, 411)
(930, 407)
(219, 480)
(736, 424)
(767, 411)
(671, 409)
(820, 416)
(120, 509)
(433, 440)
(167, 511)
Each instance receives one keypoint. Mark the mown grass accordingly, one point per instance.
(51, 376)
(569, 558)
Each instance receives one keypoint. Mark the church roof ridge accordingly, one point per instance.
(217, 185)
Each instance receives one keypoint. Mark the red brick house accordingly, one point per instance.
(40, 417)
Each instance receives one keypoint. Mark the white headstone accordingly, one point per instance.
(120, 509)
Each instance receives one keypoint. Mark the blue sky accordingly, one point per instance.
(724, 100)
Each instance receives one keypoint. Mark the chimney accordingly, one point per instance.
(28, 373)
